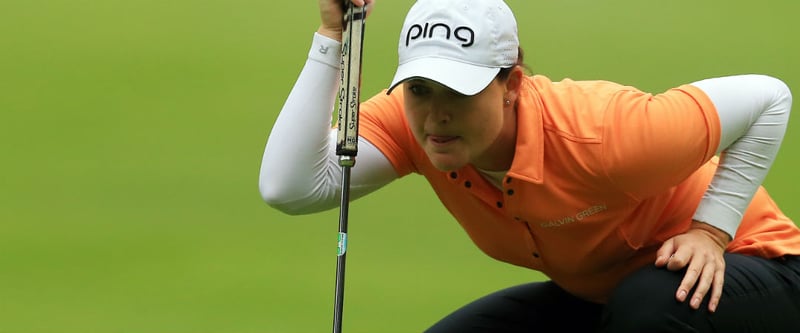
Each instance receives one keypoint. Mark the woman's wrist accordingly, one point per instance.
(718, 234)
(330, 33)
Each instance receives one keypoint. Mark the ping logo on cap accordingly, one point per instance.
(463, 34)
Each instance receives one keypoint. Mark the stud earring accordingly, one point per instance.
(508, 102)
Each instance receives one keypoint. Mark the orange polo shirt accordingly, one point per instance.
(603, 174)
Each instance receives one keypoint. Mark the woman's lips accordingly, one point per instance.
(441, 139)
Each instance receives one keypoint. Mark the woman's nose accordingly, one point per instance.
(439, 112)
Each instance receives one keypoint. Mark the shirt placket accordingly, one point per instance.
(513, 204)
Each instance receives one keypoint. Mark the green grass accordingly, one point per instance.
(132, 134)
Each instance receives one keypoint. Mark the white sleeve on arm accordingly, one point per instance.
(753, 112)
(300, 171)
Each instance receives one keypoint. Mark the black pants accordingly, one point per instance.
(760, 295)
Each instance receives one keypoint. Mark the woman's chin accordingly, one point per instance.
(444, 162)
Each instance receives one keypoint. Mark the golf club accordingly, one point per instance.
(347, 141)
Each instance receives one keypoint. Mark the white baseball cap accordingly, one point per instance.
(461, 44)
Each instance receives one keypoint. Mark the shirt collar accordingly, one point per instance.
(528, 163)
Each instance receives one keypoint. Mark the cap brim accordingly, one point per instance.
(466, 79)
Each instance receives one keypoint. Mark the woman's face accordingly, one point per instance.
(456, 130)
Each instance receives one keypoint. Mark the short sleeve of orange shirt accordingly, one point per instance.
(649, 142)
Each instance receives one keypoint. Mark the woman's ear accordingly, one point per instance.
(513, 84)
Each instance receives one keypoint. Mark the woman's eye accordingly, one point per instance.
(418, 89)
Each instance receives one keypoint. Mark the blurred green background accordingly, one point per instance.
(132, 134)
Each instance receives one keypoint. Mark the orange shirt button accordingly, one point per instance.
(453, 175)
(468, 184)
(499, 204)
(510, 192)
(536, 254)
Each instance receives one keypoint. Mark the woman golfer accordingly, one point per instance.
(614, 193)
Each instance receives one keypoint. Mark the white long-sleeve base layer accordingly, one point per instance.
(300, 172)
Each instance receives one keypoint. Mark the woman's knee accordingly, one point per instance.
(645, 302)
